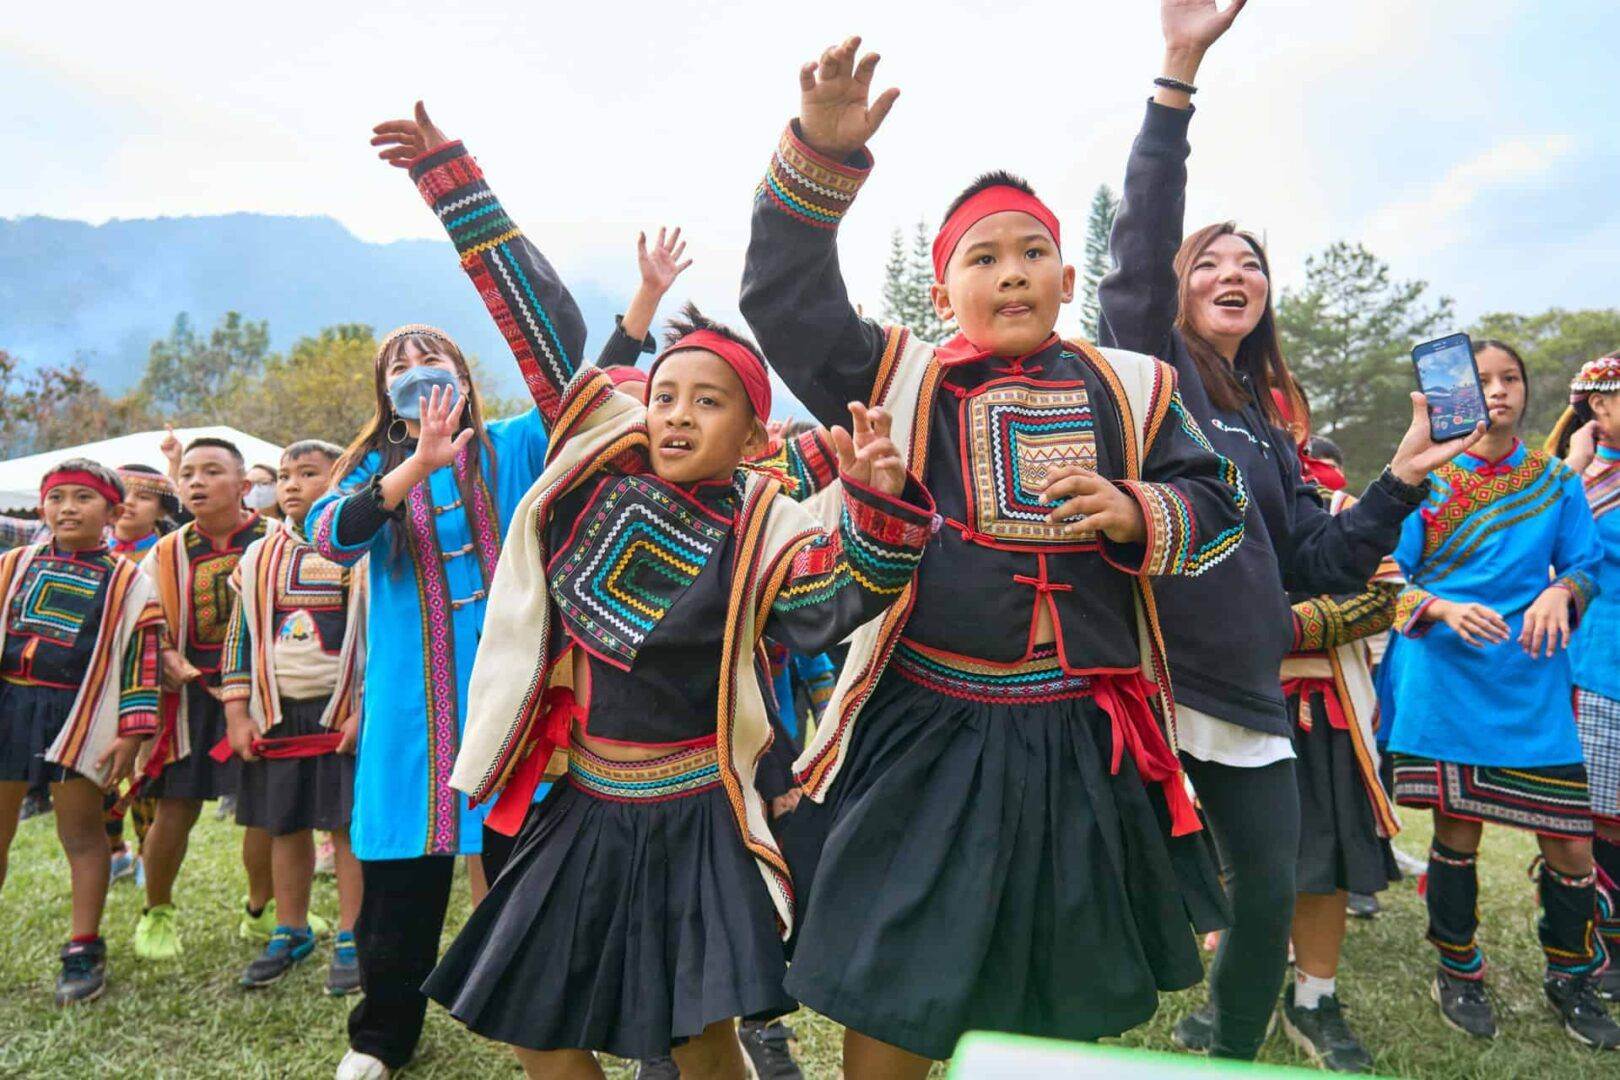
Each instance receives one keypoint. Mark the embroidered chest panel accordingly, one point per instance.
(308, 581)
(1014, 437)
(211, 595)
(56, 598)
(638, 547)
(1486, 504)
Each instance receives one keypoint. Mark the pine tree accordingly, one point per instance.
(907, 276)
(1099, 223)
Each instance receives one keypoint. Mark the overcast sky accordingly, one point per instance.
(1470, 142)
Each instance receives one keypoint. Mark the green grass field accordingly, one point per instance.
(190, 1019)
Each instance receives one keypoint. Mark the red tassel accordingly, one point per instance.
(559, 712)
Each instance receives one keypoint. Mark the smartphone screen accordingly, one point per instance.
(1448, 378)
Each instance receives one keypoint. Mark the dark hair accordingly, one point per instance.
(331, 451)
(1259, 355)
(1325, 449)
(996, 178)
(85, 465)
(374, 435)
(691, 320)
(1577, 416)
(220, 444)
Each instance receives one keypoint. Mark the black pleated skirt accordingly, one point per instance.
(197, 775)
(1339, 845)
(985, 871)
(620, 926)
(290, 795)
(31, 717)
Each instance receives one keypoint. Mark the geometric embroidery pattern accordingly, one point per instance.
(1017, 436)
(640, 549)
(310, 581)
(1603, 490)
(55, 599)
(1550, 800)
(211, 595)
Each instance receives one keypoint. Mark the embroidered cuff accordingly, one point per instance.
(451, 182)
(1170, 527)
(1409, 608)
(809, 187)
(235, 690)
(885, 534)
(1579, 585)
(138, 718)
(1310, 626)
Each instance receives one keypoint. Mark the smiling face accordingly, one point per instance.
(78, 516)
(420, 352)
(212, 483)
(300, 481)
(1226, 292)
(699, 419)
(1503, 383)
(1004, 284)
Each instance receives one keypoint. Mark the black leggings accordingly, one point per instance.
(1254, 814)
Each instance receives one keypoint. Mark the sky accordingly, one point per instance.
(1471, 143)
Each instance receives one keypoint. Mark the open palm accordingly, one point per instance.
(1195, 24)
(402, 141)
(835, 115)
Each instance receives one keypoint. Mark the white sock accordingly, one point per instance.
(1309, 990)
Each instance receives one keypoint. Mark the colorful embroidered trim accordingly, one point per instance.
(56, 597)
(808, 187)
(439, 684)
(1038, 679)
(1551, 800)
(807, 461)
(1464, 493)
(1603, 490)
(1323, 622)
(688, 772)
(1463, 961)
(1016, 436)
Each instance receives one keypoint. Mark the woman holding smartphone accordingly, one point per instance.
(1477, 689)
(1203, 304)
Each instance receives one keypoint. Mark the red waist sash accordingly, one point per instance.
(284, 748)
(1328, 691)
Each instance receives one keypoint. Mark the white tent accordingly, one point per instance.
(20, 477)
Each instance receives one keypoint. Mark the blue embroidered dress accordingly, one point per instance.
(1495, 533)
(1595, 652)
(426, 613)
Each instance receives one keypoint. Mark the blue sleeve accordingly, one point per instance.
(1578, 553)
(520, 443)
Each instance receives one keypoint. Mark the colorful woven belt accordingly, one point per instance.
(686, 772)
(1040, 678)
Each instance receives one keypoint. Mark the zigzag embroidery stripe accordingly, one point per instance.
(796, 157)
(804, 181)
(801, 206)
(561, 370)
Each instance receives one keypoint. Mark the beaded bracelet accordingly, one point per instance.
(1168, 83)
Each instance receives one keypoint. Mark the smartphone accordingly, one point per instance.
(1448, 378)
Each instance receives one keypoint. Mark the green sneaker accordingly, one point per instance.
(260, 929)
(156, 936)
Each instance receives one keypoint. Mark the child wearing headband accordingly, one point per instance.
(1009, 817)
(622, 651)
(79, 637)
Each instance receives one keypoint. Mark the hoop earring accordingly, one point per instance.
(404, 432)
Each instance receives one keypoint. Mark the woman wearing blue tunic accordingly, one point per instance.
(1588, 439)
(1500, 564)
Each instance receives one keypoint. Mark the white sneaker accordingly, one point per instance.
(358, 1066)
(1410, 865)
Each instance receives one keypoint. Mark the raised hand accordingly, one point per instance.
(1582, 446)
(1418, 455)
(404, 140)
(171, 448)
(1098, 503)
(439, 441)
(1194, 25)
(661, 264)
(834, 115)
(869, 456)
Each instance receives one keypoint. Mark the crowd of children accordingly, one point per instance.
(968, 709)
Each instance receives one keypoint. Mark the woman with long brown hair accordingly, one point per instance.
(1203, 303)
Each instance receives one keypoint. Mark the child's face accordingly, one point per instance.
(699, 419)
(78, 516)
(142, 509)
(1504, 389)
(1004, 284)
(211, 481)
(300, 481)
(1226, 290)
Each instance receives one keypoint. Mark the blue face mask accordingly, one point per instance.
(412, 388)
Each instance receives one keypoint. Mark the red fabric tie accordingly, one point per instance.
(558, 711)
(285, 748)
(1317, 687)
(1124, 699)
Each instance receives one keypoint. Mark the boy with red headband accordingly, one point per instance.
(622, 650)
(1012, 847)
(79, 634)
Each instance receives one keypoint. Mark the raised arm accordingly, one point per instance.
(793, 293)
(1138, 297)
(532, 308)
(660, 265)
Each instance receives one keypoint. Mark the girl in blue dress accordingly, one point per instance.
(1500, 563)
(1588, 439)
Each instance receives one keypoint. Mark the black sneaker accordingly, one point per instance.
(1608, 983)
(1362, 905)
(769, 1047)
(84, 972)
(1195, 1032)
(34, 804)
(288, 946)
(658, 1068)
(1323, 1034)
(1463, 1005)
(1574, 998)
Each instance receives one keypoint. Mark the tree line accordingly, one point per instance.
(1347, 331)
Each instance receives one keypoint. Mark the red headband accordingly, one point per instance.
(739, 357)
(621, 375)
(992, 200)
(83, 479)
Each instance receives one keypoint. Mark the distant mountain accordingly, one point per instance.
(102, 293)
